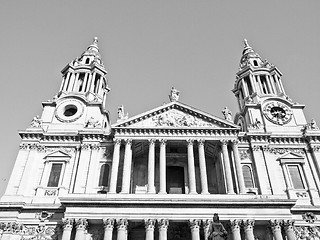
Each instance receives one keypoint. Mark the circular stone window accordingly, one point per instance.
(69, 110)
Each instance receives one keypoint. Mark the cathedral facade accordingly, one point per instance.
(173, 172)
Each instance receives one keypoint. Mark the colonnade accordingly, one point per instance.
(127, 162)
(161, 225)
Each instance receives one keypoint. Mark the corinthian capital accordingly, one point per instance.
(149, 224)
(122, 224)
(128, 141)
(235, 224)
(151, 141)
(108, 223)
(163, 141)
(248, 224)
(163, 224)
(275, 224)
(190, 141)
(201, 142)
(194, 224)
(288, 224)
(81, 223)
(67, 223)
(224, 142)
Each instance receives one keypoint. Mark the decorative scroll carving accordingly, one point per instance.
(122, 224)
(163, 141)
(224, 142)
(149, 224)
(40, 232)
(275, 224)
(315, 148)
(235, 224)
(11, 227)
(92, 123)
(302, 194)
(309, 217)
(95, 146)
(117, 141)
(307, 232)
(163, 224)
(24, 146)
(201, 142)
(175, 118)
(248, 224)
(288, 224)
(43, 215)
(174, 95)
(194, 224)
(108, 223)
(67, 223)
(36, 122)
(85, 146)
(81, 223)
(128, 141)
(151, 141)
(256, 148)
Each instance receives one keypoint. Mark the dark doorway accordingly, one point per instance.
(175, 180)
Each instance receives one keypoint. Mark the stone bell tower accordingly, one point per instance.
(263, 103)
(81, 100)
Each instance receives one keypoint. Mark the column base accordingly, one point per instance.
(162, 192)
(205, 193)
(194, 193)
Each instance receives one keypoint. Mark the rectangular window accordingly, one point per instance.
(55, 175)
(296, 177)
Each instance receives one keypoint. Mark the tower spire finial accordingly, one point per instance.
(246, 44)
(95, 41)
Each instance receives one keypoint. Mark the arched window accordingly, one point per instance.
(247, 176)
(104, 175)
(87, 61)
(255, 63)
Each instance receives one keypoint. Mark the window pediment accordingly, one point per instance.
(58, 156)
(291, 157)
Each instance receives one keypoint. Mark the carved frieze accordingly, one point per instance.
(40, 232)
(174, 118)
(309, 217)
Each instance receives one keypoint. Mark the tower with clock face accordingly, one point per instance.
(264, 106)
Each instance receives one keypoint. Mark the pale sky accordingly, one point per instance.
(148, 47)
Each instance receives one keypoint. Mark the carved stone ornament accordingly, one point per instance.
(51, 192)
(174, 95)
(275, 224)
(36, 122)
(284, 150)
(194, 223)
(40, 232)
(163, 224)
(67, 223)
(235, 224)
(122, 224)
(288, 224)
(108, 223)
(227, 114)
(81, 223)
(176, 118)
(307, 232)
(244, 154)
(309, 217)
(256, 125)
(11, 227)
(92, 123)
(312, 125)
(248, 224)
(43, 215)
(24, 146)
(149, 224)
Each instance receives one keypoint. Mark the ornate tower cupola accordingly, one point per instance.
(86, 76)
(256, 79)
(81, 101)
(263, 103)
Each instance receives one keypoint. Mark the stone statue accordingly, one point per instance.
(121, 114)
(312, 125)
(174, 95)
(36, 122)
(92, 123)
(216, 230)
(227, 114)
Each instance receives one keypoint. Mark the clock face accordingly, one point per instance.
(277, 112)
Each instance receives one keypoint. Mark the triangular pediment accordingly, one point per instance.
(291, 155)
(57, 155)
(175, 115)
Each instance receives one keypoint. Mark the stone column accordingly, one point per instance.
(191, 169)
(203, 168)
(67, 224)
(195, 229)
(127, 167)
(245, 89)
(149, 226)
(253, 83)
(151, 162)
(235, 228)
(237, 161)
(122, 225)
(163, 166)
(227, 166)
(289, 229)
(81, 226)
(206, 226)
(248, 229)
(115, 166)
(163, 227)
(108, 224)
(275, 225)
